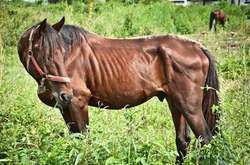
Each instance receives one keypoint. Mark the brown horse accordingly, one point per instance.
(75, 68)
(217, 16)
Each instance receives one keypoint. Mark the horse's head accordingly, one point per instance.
(41, 50)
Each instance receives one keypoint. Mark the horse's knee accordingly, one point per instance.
(188, 139)
(182, 145)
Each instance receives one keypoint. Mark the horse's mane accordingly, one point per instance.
(72, 35)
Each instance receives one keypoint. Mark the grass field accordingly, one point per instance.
(32, 133)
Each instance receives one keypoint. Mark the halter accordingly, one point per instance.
(45, 76)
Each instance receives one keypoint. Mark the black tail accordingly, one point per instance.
(210, 96)
(212, 16)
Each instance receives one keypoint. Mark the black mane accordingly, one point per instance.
(72, 35)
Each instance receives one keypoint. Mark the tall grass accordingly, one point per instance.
(32, 133)
(1, 61)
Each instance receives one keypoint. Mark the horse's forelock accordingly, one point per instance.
(52, 40)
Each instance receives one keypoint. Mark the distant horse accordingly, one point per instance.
(217, 16)
(75, 68)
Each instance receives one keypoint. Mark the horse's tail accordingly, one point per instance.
(212, 17)
(210, 103)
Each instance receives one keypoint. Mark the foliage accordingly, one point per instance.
(32, 133)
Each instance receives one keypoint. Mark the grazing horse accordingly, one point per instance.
(75, 68)
(217, 16)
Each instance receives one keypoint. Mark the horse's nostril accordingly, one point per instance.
(65, 98)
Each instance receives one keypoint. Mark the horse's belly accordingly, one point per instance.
(120, 100)
(131, 87)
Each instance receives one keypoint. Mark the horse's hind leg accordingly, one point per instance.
(188, 99)
(182, 132)
(184, 91)
(223, 24)
(215, 23)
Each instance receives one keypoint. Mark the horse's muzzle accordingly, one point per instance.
(65, 98)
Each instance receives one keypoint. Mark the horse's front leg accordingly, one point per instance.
(76, 114)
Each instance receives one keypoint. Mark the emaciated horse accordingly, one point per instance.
(217, 16)
(75, 68)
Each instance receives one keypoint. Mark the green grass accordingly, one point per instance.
(32, 133)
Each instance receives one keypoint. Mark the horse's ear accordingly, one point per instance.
(42, 26)
(57, 26)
